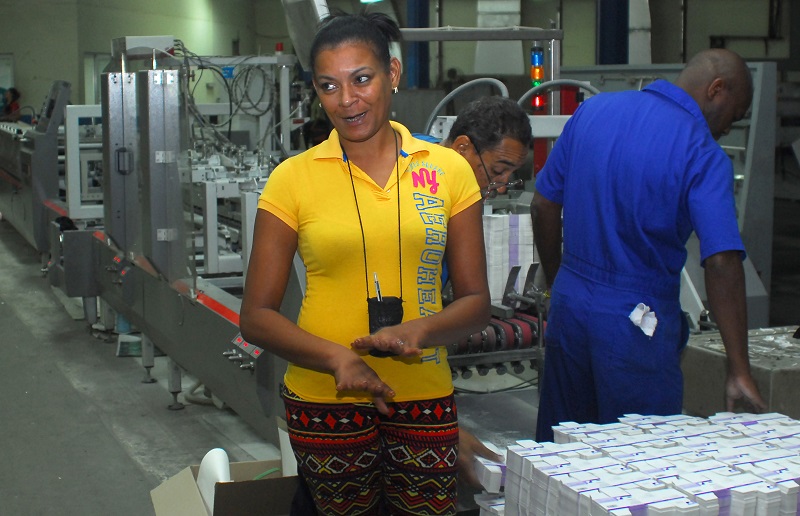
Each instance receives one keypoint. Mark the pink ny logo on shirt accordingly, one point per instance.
(425, 177)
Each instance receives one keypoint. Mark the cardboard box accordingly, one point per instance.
(268, 496)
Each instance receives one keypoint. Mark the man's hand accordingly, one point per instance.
(726, 296)
(743, 388)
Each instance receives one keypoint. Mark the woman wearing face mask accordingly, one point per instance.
(373, 213)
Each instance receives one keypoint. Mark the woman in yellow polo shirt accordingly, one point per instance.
(372, 212)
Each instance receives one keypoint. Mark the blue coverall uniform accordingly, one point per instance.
(636, 172)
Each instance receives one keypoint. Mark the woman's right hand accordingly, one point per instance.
(353, 374)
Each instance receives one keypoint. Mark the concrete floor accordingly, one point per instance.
(82, 435)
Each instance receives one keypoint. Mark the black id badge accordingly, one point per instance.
(388, 311)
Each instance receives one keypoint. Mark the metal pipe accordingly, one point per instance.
(488, 80)
(479, 34)
(439, 44)
(552, 84)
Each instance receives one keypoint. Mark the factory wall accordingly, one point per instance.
(50, 40)
(207, 27)
(744, 26)
(42, 38)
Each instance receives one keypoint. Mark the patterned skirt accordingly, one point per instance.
(358, 461)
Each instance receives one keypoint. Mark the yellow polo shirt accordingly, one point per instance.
(313, 194)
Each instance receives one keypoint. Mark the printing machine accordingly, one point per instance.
(152, 220)
(29, 168)
(178, 203)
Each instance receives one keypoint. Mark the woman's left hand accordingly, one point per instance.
(389, 340)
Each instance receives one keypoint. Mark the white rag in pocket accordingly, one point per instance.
(644, 319)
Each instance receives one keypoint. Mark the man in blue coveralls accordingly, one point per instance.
(635, 173)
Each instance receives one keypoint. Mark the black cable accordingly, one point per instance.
(519, 387)
(197, 82)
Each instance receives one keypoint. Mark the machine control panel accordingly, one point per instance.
(250, 349)
(243, 353)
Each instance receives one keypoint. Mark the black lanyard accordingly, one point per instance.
(361, 224)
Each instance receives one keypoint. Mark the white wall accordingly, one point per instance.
(43, 40)
(49, 40)
(206, 27)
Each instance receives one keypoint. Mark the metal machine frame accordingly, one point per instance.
(81, 203)
(158, 262)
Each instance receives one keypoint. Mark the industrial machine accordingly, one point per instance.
(29, 167)
(514, 339)
(77, 211)
(177, 200)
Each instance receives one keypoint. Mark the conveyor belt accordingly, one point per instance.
(505, 341)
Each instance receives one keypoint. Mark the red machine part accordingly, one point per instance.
(506, 342)
(526, 340)
(569, 103)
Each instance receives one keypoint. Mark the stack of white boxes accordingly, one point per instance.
(728, 464)
(491, 475)
(520, 246)
(509, 242)
(495, 237)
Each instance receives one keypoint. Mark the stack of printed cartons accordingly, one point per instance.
(728, 464)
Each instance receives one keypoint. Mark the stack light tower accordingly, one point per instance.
(538, 104)
(537, 77)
